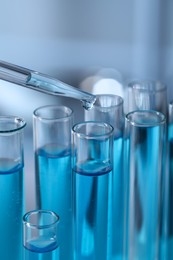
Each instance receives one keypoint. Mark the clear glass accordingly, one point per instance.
(170, 174)
(52, 145)
(41, 235)
(43, 83)
(144, 169)
(92, 163)
(11, 186)
(146, 95)
(109, 109)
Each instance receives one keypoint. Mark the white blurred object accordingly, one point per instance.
(105, 81)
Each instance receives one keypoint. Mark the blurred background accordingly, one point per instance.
(94, 45)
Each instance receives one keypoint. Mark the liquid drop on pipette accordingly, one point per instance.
(88, 104)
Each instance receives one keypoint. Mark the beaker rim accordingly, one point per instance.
(9, 124)
(40, 114)
(157, 118)
(43, 226)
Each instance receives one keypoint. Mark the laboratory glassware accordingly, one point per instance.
(43, 83)
(146, 95)
(143, 159)
(170, 183)
(41, 235)
(109, 108)
(92, 148)
(149, 94)
(52, 145)
(11, 186)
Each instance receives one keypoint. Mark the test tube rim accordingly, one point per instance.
(36, 226)
(69, 113)
(108, 95)
(158, 85)
(152, 124)
(76, 126)
(19, 122)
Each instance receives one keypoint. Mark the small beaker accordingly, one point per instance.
(144, 158)
(11, 186)
(40, 235)
(92, 163)
(52, 144)
(109, 109)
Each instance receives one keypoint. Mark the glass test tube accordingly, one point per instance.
(152, 95)
(170, 196)
(92, 180)
(109, 109)
(52, 144)
(146, 95)
(40, 235)
(144, 156)
(11, 187)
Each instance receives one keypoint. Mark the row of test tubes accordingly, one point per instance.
(103, 186)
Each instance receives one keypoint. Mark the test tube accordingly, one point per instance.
(109, 108)
(52, 145)
(146, 95)
(92, 163)
(144, 158)
(40, 235)
(170, 183)
(11, 186)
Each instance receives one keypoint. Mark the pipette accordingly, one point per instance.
(43, 83)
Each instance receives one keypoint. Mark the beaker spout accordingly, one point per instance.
(43, 83)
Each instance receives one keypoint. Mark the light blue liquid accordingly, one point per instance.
(143, 214)
(92, 211)
(11, 205)
(54, 191)
(118, 201)
(41, 250)
(170, 197)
